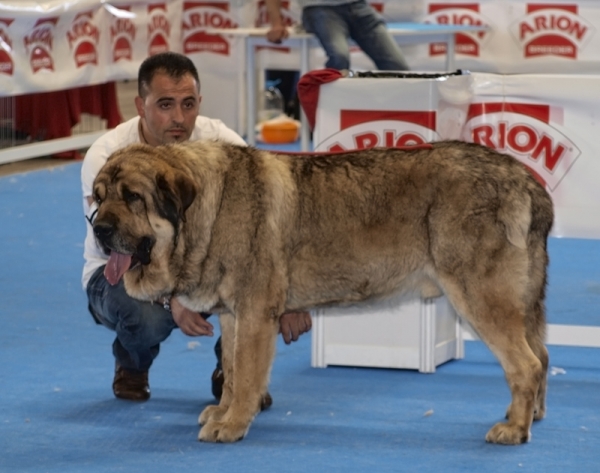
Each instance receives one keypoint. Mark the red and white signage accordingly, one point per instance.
(200, 16)
(547, 122)
(552, 30)
(464, 14)
(553, 36)
(363, 113)
(82, 42)
(218, 57)
(123, 33)
(7, 64)
(526, 131)
(84, 38)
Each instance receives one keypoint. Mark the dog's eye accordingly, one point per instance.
(97, 198)
(130, 197)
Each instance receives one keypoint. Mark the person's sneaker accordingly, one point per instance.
(217, 380)
(131, 385)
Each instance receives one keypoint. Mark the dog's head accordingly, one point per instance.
(142, 201)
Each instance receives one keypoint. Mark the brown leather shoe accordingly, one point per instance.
(131, 385)
(217, 380)
(266, 402)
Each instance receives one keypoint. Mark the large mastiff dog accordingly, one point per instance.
(250, 234)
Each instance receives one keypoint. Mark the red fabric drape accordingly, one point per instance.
(308, 91)
(50, 115)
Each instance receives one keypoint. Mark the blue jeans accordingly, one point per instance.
(140, 326)
(334, 26)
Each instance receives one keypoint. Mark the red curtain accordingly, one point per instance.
(50, 115)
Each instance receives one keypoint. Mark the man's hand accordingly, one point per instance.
(294, 324)
(191, 323)
(278, 31)
(277, 34)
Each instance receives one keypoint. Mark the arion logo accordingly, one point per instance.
(159, 29)
(6, 48)
(362, 129)
(526, 132)
(552, 30)
(122, 35)
(84, 38)
(199, 16)
(468, 44)
(39, 44)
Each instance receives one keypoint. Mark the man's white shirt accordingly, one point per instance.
(123, 135)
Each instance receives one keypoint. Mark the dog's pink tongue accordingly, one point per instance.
(116, 267)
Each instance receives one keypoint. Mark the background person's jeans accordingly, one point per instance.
(140, 326)
(334, 25)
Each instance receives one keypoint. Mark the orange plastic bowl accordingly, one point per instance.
(284, 132)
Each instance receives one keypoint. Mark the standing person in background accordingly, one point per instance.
(168, 103)
(335, 23)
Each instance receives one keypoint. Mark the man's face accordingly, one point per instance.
(169, 110)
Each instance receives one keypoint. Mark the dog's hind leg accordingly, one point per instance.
(227, 324)
(536, 322)
(495, 312)
(536, 342)
(254, 349)
(535, 335)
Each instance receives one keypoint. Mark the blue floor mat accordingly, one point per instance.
(57, 412)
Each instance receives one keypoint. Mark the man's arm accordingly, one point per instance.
(191, 323)
(291, 324)
(278, 31)
(294, 324)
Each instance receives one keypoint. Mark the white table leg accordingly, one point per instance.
(450, 46)
(304, 128)
(241, 86)
(250, 92)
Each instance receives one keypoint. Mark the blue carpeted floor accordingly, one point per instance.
(58, 414)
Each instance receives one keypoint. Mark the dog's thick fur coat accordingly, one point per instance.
(250, 234)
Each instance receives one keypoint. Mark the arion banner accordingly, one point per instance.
(548, 122)
(54, 45)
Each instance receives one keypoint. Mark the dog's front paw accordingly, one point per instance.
(225, 432)
(209, 413)
(508, 434)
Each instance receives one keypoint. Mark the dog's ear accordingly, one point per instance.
(176, 192)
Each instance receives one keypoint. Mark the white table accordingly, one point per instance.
(404, 33)
(404, 332)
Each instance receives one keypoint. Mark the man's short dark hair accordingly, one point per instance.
(174, 64)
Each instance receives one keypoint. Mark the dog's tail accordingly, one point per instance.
(542, 209)
(515, 214)
(527, 213)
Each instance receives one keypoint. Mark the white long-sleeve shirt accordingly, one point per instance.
(123, 135)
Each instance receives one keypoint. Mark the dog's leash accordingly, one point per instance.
(91, 217)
